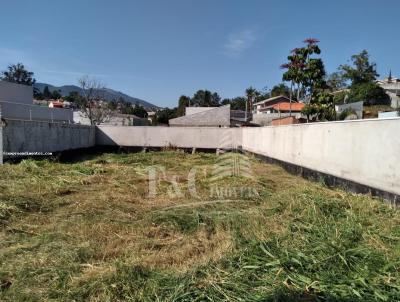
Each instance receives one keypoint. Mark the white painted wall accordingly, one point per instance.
(363, 151)
(16, 93)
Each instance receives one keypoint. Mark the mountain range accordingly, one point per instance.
(107, 93)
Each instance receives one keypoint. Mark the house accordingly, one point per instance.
(356, 108)
(284, 107)
(56, 104)
(204, 117)
(266, 111)
(391, 86)
(264, 106)
(116, 119)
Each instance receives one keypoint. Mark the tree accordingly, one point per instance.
(46, 93)
(304, 72)
(164, 115)
(73, 97)
(183, 102)
(140, 111)
(206, 98)
(362, 71)
(90, 104)
(371, 93)
(37, 94)
(18, 74)
(56, 94)
(336, 81)
(321, 107)
(238, 103)
(251, 95)
(280, 89)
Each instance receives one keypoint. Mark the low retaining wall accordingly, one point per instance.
(34, 136)
(181, 137)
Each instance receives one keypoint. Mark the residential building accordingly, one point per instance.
(116, 119)
(212, 117)
(266, 111)
(264, 106)
(204, 117)
(356, 108)
(391, 85)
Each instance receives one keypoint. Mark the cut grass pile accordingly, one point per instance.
(88, 231)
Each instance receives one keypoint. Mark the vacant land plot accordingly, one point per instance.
(171, 226)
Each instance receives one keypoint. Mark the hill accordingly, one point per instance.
(109, 94)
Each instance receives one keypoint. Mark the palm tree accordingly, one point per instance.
(251, 93)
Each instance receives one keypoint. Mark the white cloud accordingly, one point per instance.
(238, 42)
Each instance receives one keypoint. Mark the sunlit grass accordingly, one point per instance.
(88, 231)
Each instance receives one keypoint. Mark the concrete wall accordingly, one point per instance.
(182, 137)
(35, 136)
(194, 110)
(35, 112)
(265, 119)
(362, 151)
(16, 93)
(215, 117)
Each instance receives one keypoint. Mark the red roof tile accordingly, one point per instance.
(286, 106)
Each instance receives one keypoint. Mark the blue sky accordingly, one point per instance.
(159, 50)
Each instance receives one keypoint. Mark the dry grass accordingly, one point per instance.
(88, 231)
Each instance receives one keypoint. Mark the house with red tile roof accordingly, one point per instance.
(265, 106)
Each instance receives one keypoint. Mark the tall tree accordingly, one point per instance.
(206, 98)
(46, 93)
(16, 73)
(336, 81)
(280, 89)
(362, 71)
(140, 111)
(251, 95)
(304, 72)
(237, 103)
(183, 102)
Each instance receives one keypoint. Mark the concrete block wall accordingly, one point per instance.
(35, 136)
